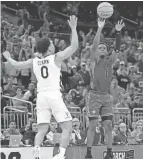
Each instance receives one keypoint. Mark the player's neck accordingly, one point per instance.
(46, 54)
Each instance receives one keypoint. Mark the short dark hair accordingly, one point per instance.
(43, 45)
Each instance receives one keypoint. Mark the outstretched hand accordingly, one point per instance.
(101, 22)
(73, 22)
(119, 25)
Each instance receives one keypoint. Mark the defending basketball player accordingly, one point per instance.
(99, 100)
(46, 67)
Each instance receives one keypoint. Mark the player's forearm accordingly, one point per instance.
(19, 65)
(96, 40)
(118, 41)
(74, 40)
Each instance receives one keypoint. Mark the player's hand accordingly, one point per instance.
(119, 25)
(101, 22)
(73, 22)
(6, 54)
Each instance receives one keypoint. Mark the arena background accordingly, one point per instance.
(131, 12)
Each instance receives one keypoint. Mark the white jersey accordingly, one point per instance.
(47, 74)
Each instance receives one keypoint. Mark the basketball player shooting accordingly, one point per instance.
(99, 98)
(46, 67)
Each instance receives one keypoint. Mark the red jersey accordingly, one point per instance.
(102, 75)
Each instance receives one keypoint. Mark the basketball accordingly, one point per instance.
(105, 10)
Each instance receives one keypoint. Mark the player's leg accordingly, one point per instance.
(43, 120)
(65, 137)
(42, 131)
(63, 117)
(93, 107)
(90, 135)
(107, 123)
(107, 118)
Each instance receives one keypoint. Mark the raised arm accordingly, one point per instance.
(60, 56)
(96, 41)
(18, 65)
(118, 28)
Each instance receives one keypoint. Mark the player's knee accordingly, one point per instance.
(92, 125)
(66, 127)
(108, 125)
(43, 129)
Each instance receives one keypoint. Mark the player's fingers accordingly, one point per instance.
(76, 19)
(72, 17)
(120, 22)
(68, 21)
(103, 19)
(123, 24)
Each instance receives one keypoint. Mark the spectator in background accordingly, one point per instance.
(29, 134)
(29, 95)
(115, 130)
(1, 136)
(140, 64)
(68, 101)
(16, 51)
(121, 137)
(78, 136)
(44, 7)
(116, 67)
(123, 54)
(25, 39)
(76, 79)
(85, 75)
(11, 130)
(50, 135)
(136, 103)
(116, 91)
(27, 126)
(121, 66)
(123, 79)
(76, 97)
(126, 37)
(74, 60)
(138, 132)
(9, 88)
(19, 95)
(62, 45)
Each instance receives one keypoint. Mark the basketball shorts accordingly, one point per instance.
(51, 103)
(99, 104)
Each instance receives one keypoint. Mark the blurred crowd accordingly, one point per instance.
(126, 87)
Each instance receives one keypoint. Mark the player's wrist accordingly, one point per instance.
(118, 31)
(73, 29)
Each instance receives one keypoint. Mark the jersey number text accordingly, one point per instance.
(44, 72)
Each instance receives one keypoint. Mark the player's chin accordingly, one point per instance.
(102, 55)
